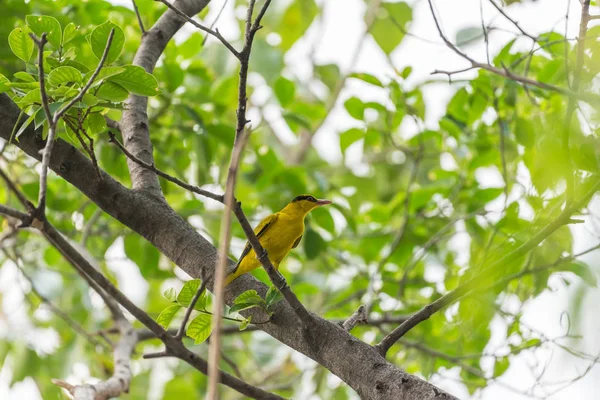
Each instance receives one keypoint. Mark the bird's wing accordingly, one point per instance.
(297, 242)
(259, 231)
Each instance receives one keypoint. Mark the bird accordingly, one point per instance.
(278, 233)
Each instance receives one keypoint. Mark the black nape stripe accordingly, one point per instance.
(304, 197)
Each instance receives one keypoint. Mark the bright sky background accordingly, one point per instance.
(337, 39)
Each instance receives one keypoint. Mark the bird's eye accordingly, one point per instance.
(312, 199)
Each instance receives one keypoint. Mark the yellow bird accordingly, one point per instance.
(278, 234)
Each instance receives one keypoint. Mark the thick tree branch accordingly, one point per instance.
(335, 349)
(359, 317)
(485, 274)
(122, 376)
(134, 122)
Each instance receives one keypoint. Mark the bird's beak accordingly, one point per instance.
(322, 202)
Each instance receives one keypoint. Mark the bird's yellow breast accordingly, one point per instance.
(278, 241)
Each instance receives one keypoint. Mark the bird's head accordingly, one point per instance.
(306, 202)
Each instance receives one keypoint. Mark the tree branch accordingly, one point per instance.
(139, 17)
(203, 28)
(241, 138)
(190, 308)
(483, 275)
(359, 317)
(587, 97)
(53, 119)
(178, 182)
(572, 105)
(134, 122)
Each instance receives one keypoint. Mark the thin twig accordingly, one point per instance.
(53, 119)
(174, 347)
(587, 97)
(212, 25)
(139, 17)
(56, 310)
(190, 308)
(13, 188)
(214, 33)
(484, 274)
(359, 317)
(515, 23)
(306, 138)
(151, 167)
(241, 138)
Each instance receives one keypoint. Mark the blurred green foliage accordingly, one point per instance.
(442, 179)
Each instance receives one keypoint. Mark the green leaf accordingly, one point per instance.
(284, 90)
(20, 43)
(33, 96)
(99, 38)
(500, 366)
(200, 328)
(27, 122)
(170, 294)
(4, 84)
(143, 253)
(390, 25)
(69, 33)
(468, 35)
(525, 132)
(105, 72)
(187, 293)
(45, 24)
(112, 92)
(241, 307)
(89, 100)
(63, 75)
(373, 80)
(355, 108)
(584, 271)
(295, 21)
(313, 244)
(166, 316)
(349, 137)
(249, 297)
(245, 323)
(24, 76)
(96, 123)
(137, 81)
(273, 296)
(329, 74)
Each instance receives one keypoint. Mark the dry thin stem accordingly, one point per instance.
(190, 308)
(241, 138)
